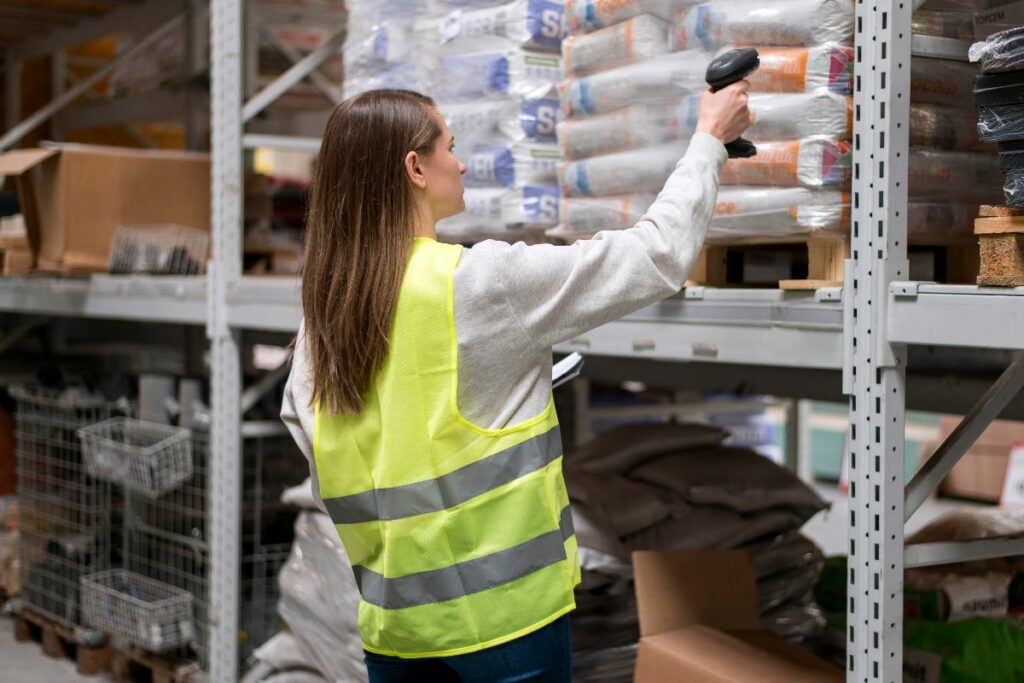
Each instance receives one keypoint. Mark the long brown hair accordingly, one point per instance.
(359, 232)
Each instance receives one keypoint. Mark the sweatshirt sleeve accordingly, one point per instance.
(558, 292)
(297, 414)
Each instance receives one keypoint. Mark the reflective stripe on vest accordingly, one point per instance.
(450, 489)
(460, 536)
(471, 576)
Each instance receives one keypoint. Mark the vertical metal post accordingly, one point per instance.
(12, 94)
(196, 38)
(226, 379)
(876, 370)
(58, 83)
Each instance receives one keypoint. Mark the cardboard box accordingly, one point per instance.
(699, 624)
(996, 19)
(73, 196)
(981, 472)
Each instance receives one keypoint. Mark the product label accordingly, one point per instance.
(540, 119)
(545, 23)
(540, 204)
(920, 666)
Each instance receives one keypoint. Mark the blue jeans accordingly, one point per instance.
(544, 656)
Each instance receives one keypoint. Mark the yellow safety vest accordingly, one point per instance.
(460, 537)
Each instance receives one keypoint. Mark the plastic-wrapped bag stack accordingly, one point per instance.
(676, 487)
(492, 67)
(635, 71)
(998, 94)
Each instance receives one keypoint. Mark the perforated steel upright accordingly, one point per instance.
(875, 370)
(225, 366)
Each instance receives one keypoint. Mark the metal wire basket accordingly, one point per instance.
(159, 249)
(145, 457)
(145, 612)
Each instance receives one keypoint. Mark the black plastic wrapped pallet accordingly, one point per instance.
(991, 90)
(1001, 52)
(1001, 123)
(1011, 155)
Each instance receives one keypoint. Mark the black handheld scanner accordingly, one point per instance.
(724, 70)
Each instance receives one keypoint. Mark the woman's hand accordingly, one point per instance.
(724, 114)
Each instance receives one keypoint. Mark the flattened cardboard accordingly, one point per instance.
(74, 196)
(698, 623)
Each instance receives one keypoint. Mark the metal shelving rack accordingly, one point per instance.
(863, 330)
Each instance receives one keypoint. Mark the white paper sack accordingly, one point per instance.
(495, 73)
(513, 119)
(661, 79)
(942, 81)
(534, 24)
(493, 211)
(320, 599)
(777, 211)
(634, 40)
(636, 171)
(782, 22)
(811, 162)
(584, 16)
(587, 216)
(780, 116)
(957, 177)
(804, 69)
(524, 163)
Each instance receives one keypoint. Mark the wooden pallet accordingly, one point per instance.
(135, 664)
(60, 641)
(1000, 232)
(721, 264)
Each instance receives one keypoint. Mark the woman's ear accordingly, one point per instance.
(414, 169)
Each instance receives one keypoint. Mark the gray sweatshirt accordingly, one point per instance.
(513, 302)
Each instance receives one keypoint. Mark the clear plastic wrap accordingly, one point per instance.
(956, 177)
(634, 40)
(1002, 123)
(499, 211)
(511, 166)
(635, 171)
(954, 22)
(1003, 51)
(801, 621)
(533, 24)
(320, 599)
(667, 78)
(584, 16)
(811, 162)
(933, 125)
(780, 116)
(494, 72)
(1013, 189)
(379, 48)
(403, 76)
(941, 81)
(714, 25)
(512, 118)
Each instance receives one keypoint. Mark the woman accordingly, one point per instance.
(421, 387)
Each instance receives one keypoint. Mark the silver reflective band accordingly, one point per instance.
(466, 578)
(450, 489)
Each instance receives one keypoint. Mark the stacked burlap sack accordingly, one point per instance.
(634, 74)
(676, 487)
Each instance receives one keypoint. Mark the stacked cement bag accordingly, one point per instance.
(497, 67)
(676, 487)
(635, 71)
(634, 74)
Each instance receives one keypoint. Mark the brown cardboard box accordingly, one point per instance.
(699, 624)
(996, 19)
(980, 473)
(73, 196)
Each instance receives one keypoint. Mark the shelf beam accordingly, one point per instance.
(949, 552)
(942, 462)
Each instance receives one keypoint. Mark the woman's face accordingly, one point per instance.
(444, 176)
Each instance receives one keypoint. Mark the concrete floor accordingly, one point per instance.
(26, 663)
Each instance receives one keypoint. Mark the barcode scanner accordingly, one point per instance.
(723, 71)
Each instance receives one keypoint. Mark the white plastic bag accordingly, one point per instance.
(534, 24)
(811, 162)
(496, 72)
(780, 116)
(512, 118)
(634, 40)
(714, 25)
(584, 16)
(515, 165)
(496, 212)
(635, 171)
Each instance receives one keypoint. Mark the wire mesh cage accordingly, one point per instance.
(141, 610)
(145, 457)
(66, 516)
(159, 249)
(166, 538)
